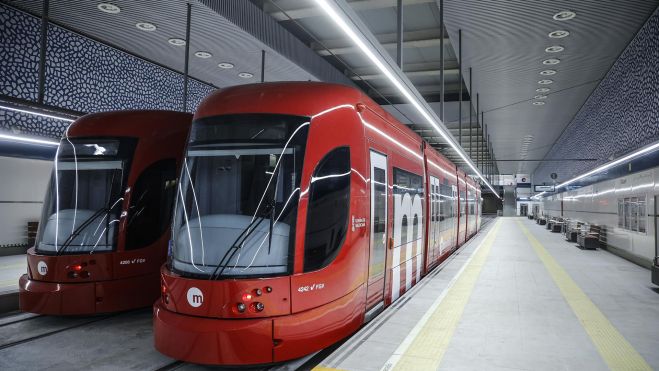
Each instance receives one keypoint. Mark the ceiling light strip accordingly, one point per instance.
(341, 17)
(23, 139)
(608, 165)
(36, 113)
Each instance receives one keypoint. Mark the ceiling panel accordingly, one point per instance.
(209, 32)
(504, 43)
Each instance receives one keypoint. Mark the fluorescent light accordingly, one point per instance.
(608, 165)
(10, 108)
(23, 139)
(425, 112)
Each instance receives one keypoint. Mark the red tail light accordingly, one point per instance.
(247, 297)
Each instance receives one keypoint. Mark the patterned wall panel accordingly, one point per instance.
(81, 75)
(621, 115)
(19, 59)
(23, 123)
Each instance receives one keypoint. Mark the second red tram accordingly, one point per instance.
(106, 218)
(304, 209)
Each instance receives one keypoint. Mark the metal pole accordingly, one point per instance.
(482, 140)
(477, 128)
(471, 108)
(42, 51)
(460, 79)
(262, 65)
(399, 34)
(187, 59)
(441, 60)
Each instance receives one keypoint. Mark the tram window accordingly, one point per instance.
(151, 204)
(328, 210)
(407, 184)
(621, 213)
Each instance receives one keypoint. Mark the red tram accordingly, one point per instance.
(107, 214)
(304, 209)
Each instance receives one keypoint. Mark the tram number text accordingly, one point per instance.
(312, 287)
(133, 261)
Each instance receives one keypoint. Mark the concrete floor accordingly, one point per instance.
(515, 317)
(11, 269)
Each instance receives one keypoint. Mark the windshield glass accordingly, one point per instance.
(237, 204)
(83, 200)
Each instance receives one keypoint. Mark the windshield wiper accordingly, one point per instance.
(238, 243)
(81, 227)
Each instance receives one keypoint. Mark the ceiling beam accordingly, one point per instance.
(357, 5)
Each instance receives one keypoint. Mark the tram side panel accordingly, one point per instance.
(333, 297)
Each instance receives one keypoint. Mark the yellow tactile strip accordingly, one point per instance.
(425, 346)
(616, 351)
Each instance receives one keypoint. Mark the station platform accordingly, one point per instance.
(516, 297)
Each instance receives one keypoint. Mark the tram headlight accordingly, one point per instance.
(241, 307)
(259, 306)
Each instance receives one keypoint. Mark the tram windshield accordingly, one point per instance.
(238, 196)
(84, 198)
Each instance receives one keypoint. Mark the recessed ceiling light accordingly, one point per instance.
(202, 54)
(548, 72)
(545, 82)
(551, 61)
(176, 41)
(542, 90)
(540, 96)
(225, 65)
(564, 15)
(554, 49)
(146, 26)
(538, 103)
(245, 75)
(559, 34)
(109, 8)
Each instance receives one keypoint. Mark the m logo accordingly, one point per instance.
(42, 268)
(195, 297)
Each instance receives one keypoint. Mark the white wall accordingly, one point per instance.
(23, 185)
(598, 204)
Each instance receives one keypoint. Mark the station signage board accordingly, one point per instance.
(544, 188)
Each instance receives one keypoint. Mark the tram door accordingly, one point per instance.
(378, 240)
(523, 209)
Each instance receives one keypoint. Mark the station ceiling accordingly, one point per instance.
(503, 43)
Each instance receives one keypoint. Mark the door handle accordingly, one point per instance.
(391, 243)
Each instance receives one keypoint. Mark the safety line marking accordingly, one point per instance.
(322, 368)
(425, 345)
(614, 349)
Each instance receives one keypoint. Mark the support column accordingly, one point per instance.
(262, 65)
(399, 34)
(460, 79)
(441, 60)
(187, 59)
(42, 51)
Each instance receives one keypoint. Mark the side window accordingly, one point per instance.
(151, 204)
(328, 210)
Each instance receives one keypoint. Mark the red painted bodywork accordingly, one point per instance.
(110, 286)
(297, 322)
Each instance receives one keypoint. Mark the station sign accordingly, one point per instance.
(544, 188)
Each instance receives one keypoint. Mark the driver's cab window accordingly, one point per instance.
(151, 203)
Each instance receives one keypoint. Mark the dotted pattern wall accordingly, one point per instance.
(621, 115)
(81, 75)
